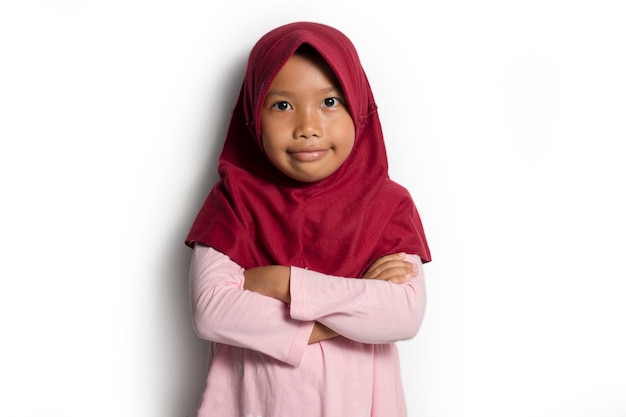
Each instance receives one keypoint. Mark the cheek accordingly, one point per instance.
(270, 150)
(350, 135)
(269, 143)
(265, 129)
(268, 136)
(272, 133)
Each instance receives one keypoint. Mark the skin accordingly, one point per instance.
(306, 129)
(307, 132)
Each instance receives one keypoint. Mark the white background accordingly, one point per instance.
(505, 119)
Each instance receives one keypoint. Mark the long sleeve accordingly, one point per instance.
(224, 312)
(364, 310)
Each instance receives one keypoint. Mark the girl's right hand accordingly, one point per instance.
(392, 268)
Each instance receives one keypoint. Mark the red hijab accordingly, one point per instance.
(339, 225)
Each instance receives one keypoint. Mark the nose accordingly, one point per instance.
(308, 124)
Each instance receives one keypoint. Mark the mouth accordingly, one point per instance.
(308, 155)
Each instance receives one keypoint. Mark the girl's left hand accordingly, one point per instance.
(392, 268)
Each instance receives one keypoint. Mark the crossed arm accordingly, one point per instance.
(273, 281)
(294, 306)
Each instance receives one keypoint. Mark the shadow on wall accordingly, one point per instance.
(185, 359)
(186, 354)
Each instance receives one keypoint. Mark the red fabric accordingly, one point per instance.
(337, 226)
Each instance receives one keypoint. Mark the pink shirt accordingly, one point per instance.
(261, 364)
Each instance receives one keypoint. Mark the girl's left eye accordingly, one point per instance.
(331, 102)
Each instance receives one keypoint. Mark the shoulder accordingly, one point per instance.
(392, 188)
(395, 193)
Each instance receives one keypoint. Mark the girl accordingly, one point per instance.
(304, 202)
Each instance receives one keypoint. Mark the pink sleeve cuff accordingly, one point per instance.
(297, 308)
(300, 343)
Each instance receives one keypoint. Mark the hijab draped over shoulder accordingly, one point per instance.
(339, 225)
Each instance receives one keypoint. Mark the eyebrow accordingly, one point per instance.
(288, 93)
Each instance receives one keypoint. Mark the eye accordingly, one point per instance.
(281, 106)
(331, 102)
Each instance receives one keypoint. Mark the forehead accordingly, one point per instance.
(304, 72)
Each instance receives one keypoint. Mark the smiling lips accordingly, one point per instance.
(308, 155)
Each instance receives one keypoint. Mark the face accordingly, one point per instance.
(306, 129)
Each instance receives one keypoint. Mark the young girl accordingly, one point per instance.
(304, 203)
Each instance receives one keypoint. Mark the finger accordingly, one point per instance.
(401, 273)
(392, 269)
(401, 279)
(376, 272)
(387, 258)
(378, 263)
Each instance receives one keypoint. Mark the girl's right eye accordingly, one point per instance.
(281, 106)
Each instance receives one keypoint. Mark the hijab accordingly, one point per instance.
(338, 226)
